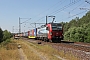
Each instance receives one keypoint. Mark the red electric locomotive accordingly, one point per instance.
(51, 32)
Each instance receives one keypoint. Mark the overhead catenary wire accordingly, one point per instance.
(87, 1)
(59, 10)
(59, 2)
(25, 21)
(80, 12)
(77, 14)
(76, 7)
(63, 8)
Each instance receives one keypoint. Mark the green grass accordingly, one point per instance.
(9, 51)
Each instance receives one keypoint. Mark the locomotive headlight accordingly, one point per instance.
(60, 36)
(50, 33)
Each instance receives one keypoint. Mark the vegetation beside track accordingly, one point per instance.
(45, 50)
(78, 29)
(28, 52)
(33, 51)
(8, 50)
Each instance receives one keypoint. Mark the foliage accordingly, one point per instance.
(7, 35)
(1, 35)
(4, 43)
(78, 30)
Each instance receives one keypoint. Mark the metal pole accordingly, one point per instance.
(19, 26)
(53, 20)
(13, 29)
(35, 25)
(46, 20)
(21, 23)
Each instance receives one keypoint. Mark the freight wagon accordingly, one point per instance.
(32, 34)
(26, 34)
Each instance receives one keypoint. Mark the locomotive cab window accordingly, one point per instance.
(46, 28)
(56, 27)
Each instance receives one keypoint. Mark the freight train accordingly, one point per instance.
(52, 32)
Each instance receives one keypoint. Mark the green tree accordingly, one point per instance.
(6, 35)
(87, 33)
(78, 29)
(1, 35)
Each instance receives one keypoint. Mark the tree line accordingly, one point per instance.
(4, 35)
(78, 29)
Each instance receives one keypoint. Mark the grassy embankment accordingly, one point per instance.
(44, 50)
(8, 50)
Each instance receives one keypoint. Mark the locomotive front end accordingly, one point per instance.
(55, 32)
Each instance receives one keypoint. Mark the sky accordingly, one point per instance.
(35, 11)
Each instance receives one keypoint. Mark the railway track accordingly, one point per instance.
(73, 46)
(80, 50)
(77, 46)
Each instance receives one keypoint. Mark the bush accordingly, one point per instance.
(1, 35)
(6, 42)
(78, 34)
(6, 35)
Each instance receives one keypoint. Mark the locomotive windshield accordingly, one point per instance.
(56, 26)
